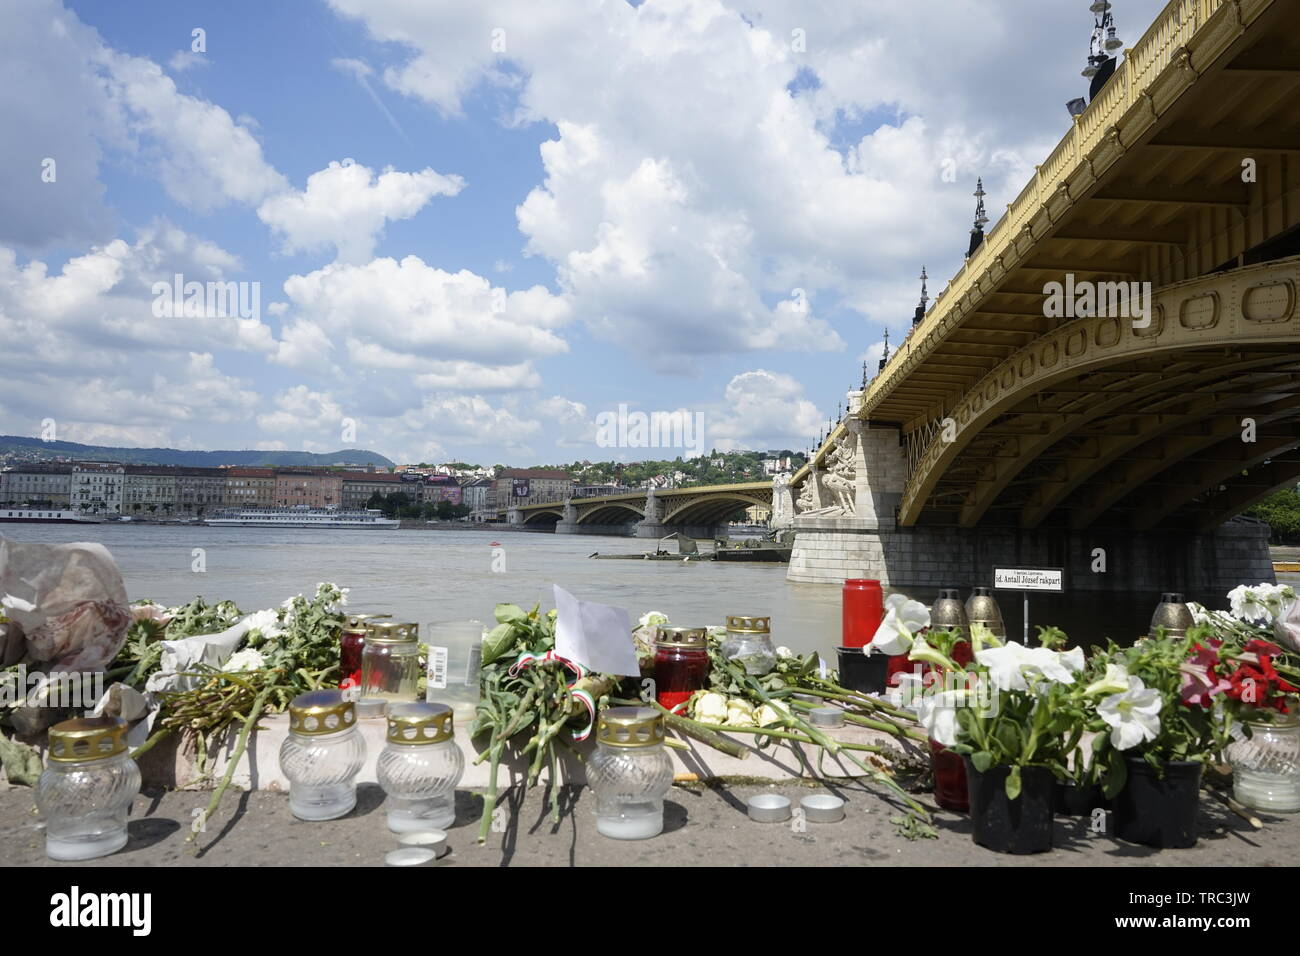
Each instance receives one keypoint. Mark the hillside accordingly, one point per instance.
(19, 447)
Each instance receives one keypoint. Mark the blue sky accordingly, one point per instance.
(550, 210)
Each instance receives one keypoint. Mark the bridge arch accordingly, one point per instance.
(1117, 403)
(712, 508)
(543, 516)
(611, 512)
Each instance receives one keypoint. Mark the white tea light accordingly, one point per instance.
(410, 856)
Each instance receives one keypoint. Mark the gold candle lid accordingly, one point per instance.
(692, 637)
(744, 624)
(321, 712)
(87, 738)
(357, 622)
(420, 723)
(630, 727)
(391, 632)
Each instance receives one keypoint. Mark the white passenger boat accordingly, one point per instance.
(301, 517)
(49, 516)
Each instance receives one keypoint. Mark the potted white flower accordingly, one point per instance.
(1013, 722)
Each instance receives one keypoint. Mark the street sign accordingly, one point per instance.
(1029, 579)
(1025, 580)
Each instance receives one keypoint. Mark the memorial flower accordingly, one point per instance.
(1132, 715)
(904, 619)
(710, 708)
(248, 659)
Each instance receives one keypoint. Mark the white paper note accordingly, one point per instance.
(596, 635)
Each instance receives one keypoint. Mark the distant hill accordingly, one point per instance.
(19, 446)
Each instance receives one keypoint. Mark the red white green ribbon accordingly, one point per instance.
(527, 659)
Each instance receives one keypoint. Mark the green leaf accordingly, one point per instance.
(982, 760)
(510, 614)
(1116, 777)
(1013, 783)
(497, 642)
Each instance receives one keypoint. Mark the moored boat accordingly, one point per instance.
(301, 518)
(48, 516)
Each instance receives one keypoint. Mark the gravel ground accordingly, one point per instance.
(703, 826)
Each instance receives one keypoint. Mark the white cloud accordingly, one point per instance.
(761, 408)
(346, 206)
(183, 60)
(410, 316)
(705, 165)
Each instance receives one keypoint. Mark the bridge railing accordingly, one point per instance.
(1172, 30)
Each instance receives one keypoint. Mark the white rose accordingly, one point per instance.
(653, 619)
(740, 713)
(245, 660)
(710, 708)
(769, 714)
(784, 652)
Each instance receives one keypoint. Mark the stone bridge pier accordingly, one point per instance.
(845, 527)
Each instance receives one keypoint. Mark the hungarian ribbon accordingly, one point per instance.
(527, 659)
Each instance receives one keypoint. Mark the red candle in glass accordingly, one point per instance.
(863, 610)
(681, 664)
(351, 644)
(949, 778)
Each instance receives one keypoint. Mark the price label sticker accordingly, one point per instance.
(473, 664)
(437, 672)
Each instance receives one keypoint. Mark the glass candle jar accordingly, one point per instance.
(419, 767)
(862, 610)
(390, 661)
(1266, 766)
(630, 773)
(85, 792)
(749, 642)
(351, 644)
(322, 755)
(681, 664)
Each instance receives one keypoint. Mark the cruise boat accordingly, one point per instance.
(49, 516)
(301, 517)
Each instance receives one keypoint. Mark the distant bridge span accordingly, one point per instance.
(699, 510)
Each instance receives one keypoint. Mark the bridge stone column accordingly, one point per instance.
(880, 476)
(652, 526)
(513, 516)
(831, 547)
(782, 502)
(569, 523)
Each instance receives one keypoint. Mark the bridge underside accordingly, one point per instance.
(1071, 423)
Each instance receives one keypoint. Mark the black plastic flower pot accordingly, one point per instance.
(1071, 800)
(1159, 809)
(862, 672)
(1022, 825)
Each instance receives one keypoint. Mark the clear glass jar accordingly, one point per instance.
(419, 767)
(390, 662)
(630, 773)
(1266, 765)
(749, 642)
(322, 755)
(86, 791)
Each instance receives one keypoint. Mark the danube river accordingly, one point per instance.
(440, 575)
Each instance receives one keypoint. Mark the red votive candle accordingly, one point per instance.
(681, 664)
(863, 610)
(949, 778)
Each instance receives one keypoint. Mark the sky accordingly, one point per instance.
(469, 230)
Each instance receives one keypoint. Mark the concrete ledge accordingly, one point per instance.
(172, 766)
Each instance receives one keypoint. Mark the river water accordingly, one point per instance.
(440, 575)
